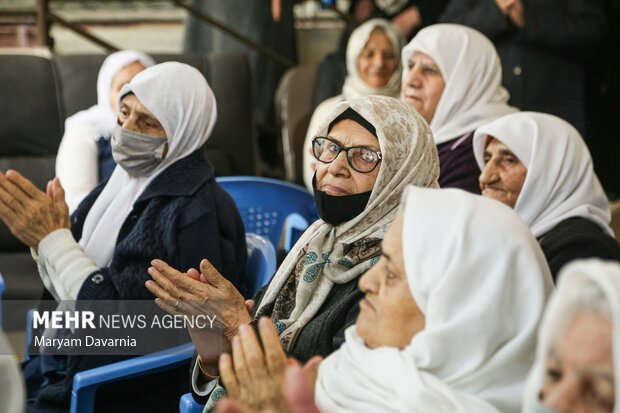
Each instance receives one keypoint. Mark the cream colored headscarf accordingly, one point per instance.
(409, 158)
(574, 295)
(560, 181)
(354, 86)
(482, 288)
(473, 94)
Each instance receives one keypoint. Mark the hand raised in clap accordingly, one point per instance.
(31, 214)
(254, 376)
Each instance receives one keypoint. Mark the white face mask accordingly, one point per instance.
(138, 154)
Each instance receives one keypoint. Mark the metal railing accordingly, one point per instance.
(44, 18)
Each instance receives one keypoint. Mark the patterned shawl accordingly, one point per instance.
(327, 255)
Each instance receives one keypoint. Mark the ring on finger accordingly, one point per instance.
(176, 304)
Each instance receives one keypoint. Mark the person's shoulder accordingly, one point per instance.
(577, 229)
(576, 238)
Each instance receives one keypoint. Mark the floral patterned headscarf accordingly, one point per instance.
(326, 254)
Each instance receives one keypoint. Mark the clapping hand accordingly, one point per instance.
(201, 293)
(514, 10)
(31, 214)
(254, 376)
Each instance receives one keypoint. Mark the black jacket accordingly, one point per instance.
(182, 217)
(576, 238)
(542, 63)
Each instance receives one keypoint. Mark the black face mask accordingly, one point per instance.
(338, 209)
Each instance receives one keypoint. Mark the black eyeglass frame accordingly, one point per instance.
(346, 150)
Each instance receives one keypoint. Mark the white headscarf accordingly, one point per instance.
(354, 86)
(409, 157)
(180, 98)
(571, 298)
(473, 94)
(482, 288)
(102, 116)
(560, 181)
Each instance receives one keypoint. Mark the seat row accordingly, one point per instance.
(39, 93)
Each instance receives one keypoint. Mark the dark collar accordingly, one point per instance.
(183, 177)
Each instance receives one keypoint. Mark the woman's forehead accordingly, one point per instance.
(378, 37)
(423, 57)
(350, 133)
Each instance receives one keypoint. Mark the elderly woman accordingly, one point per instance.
(428, 337)
(157, 203)
(539, 165)
(85, 155)
(578, 346)
(368, 150)
(453, 77)
(373, 68)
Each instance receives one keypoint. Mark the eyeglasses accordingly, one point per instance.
(360, 158)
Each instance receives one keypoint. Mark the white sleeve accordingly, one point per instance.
(77, 163)
(65, 262)
(58, 296)
(199, 386)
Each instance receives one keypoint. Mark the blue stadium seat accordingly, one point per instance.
(189, 405)
(270, 207)
(260, 267)
(262, 264)
(85, 383)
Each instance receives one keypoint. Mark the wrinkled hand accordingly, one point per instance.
(29, 213)
(299, 385)
(276, 10)
(203, 338)
(516, 13)
(514, 10)
(298, 391)
(204, 293)
(504, 5)
(249, 304)
(254, 377)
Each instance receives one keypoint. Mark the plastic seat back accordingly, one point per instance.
(265, 204)
(187, 404)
